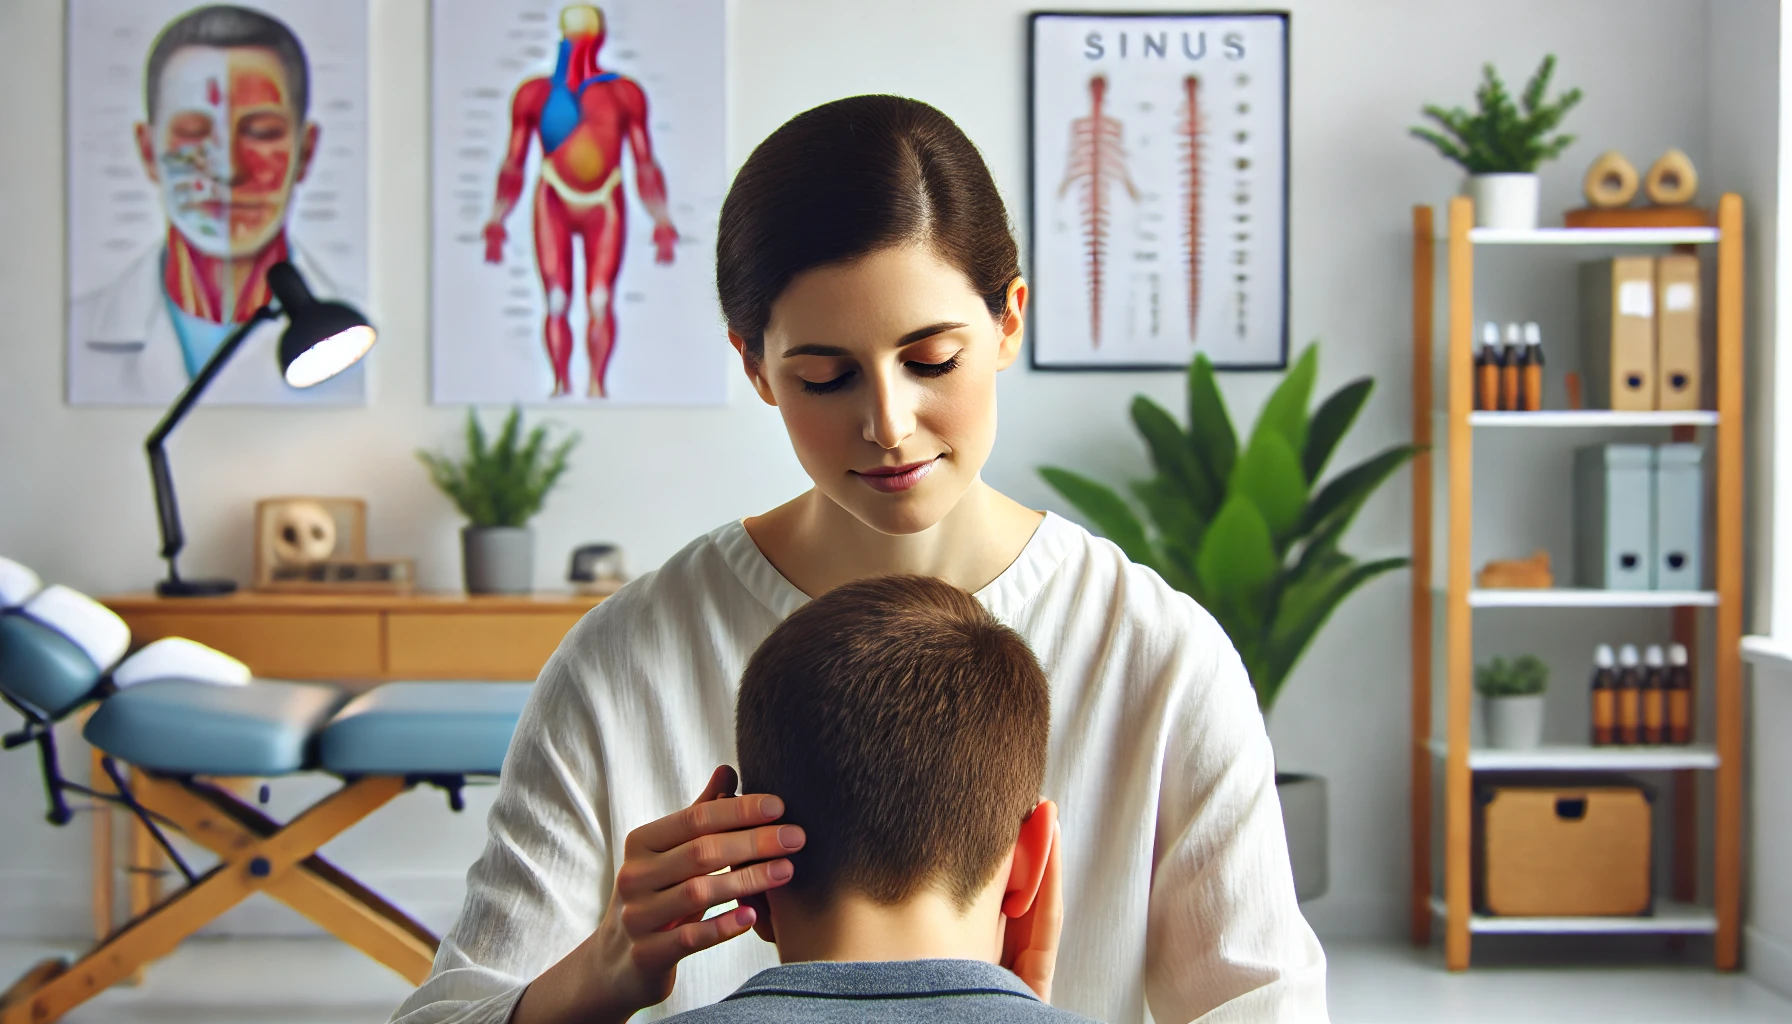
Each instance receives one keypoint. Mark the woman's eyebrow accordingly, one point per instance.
(918, 334)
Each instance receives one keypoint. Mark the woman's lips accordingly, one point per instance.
(891, 479)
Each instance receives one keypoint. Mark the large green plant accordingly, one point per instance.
(1253, 534)
(503, 484)
(1501, 138)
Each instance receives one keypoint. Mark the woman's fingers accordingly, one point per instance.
(723, 814)
(696, 895)
(706, 855)
(661, 951)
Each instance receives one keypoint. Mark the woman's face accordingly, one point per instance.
(885, 372)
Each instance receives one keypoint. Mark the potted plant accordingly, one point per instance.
(1512, 701)
(499, 488)
(1501, 145)
(1252, 532)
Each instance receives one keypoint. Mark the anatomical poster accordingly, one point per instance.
(206, 144)
(1160, 191)
(579, 167)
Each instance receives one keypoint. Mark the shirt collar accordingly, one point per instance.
(1005, 596)
(884, 980)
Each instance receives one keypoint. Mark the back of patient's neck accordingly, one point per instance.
(850, 926)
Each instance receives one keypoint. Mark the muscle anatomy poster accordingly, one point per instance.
(1159, 190)
(578, 169)
(206, 144)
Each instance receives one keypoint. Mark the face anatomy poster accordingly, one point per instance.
(206, 144)
(1160, 190)
(578, 170)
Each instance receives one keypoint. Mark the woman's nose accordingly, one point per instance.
(891, 418)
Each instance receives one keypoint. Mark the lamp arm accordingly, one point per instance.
(167, 512)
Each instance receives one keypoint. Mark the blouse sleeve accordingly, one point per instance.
(540, 887)
(1225, 937)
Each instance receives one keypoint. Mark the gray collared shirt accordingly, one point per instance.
(881, 992)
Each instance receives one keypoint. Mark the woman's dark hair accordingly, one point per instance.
(848, 179)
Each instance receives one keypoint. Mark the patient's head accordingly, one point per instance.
(905, 730)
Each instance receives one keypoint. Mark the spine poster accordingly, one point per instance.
(1159, 190)
(206, 144)
(578, 171)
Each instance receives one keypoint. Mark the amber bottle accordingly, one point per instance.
(1487, 368)
(1655, 695)
(1509, 356)
(1531, 369)
(1679, 695)
(1630, 696)
(1605, 696)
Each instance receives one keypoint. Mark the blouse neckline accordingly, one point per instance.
(1004, 596)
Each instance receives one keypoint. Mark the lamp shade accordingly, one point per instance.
(322, 339)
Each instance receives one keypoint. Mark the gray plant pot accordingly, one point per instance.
(1513, 723)
(498, 559)
(1304, 821)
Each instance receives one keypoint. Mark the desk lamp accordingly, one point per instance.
(322, 339)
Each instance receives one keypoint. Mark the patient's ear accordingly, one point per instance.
(1031, 851)
(762, 915)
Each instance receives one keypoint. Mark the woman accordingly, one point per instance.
(872, 289)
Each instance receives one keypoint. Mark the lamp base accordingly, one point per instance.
(195, 588)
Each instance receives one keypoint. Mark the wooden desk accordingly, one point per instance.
(373, 637)
(349, 638)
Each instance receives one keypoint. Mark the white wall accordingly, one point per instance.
(74, 495)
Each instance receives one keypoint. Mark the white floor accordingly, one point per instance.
(304, 981)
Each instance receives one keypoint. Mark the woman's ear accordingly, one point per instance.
(1031, 851)
(754, 367)
(1014, 323)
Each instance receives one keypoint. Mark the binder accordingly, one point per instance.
(1614, 506)
(1617, 305)
(1679, 513)
(1677, 351)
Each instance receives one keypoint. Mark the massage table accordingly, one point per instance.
(181, 714)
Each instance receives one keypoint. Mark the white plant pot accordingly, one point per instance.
(1514, 723)
(1507, 201)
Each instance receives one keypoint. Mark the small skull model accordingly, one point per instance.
(303, 533)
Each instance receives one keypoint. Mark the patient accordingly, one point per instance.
(905, 730)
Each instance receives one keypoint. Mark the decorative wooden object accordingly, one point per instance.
(1610, 181)
(1639, 217)
(1672, 181)
(1446, 736)
(1522, 573)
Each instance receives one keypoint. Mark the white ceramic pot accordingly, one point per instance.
(1514, 723)
(1304, 823)
(1507, 201)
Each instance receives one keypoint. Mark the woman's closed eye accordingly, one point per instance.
(934, 369)
(919, 369)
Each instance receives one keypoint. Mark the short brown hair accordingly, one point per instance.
(905, 729)
(850, 178)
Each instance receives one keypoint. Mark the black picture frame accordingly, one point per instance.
(1281, 239)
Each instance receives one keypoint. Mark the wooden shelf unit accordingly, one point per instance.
(1460, 597)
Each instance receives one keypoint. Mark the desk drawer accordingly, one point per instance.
(501, 646)
(314, 645)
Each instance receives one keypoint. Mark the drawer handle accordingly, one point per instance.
(1571, 808)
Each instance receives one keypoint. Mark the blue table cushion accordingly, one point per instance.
(41, 668)
(447, 728)
(182, 726)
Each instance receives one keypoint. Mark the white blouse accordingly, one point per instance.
(1177, 889)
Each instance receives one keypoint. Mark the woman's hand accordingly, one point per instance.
(1030, 942)
(655, 914)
